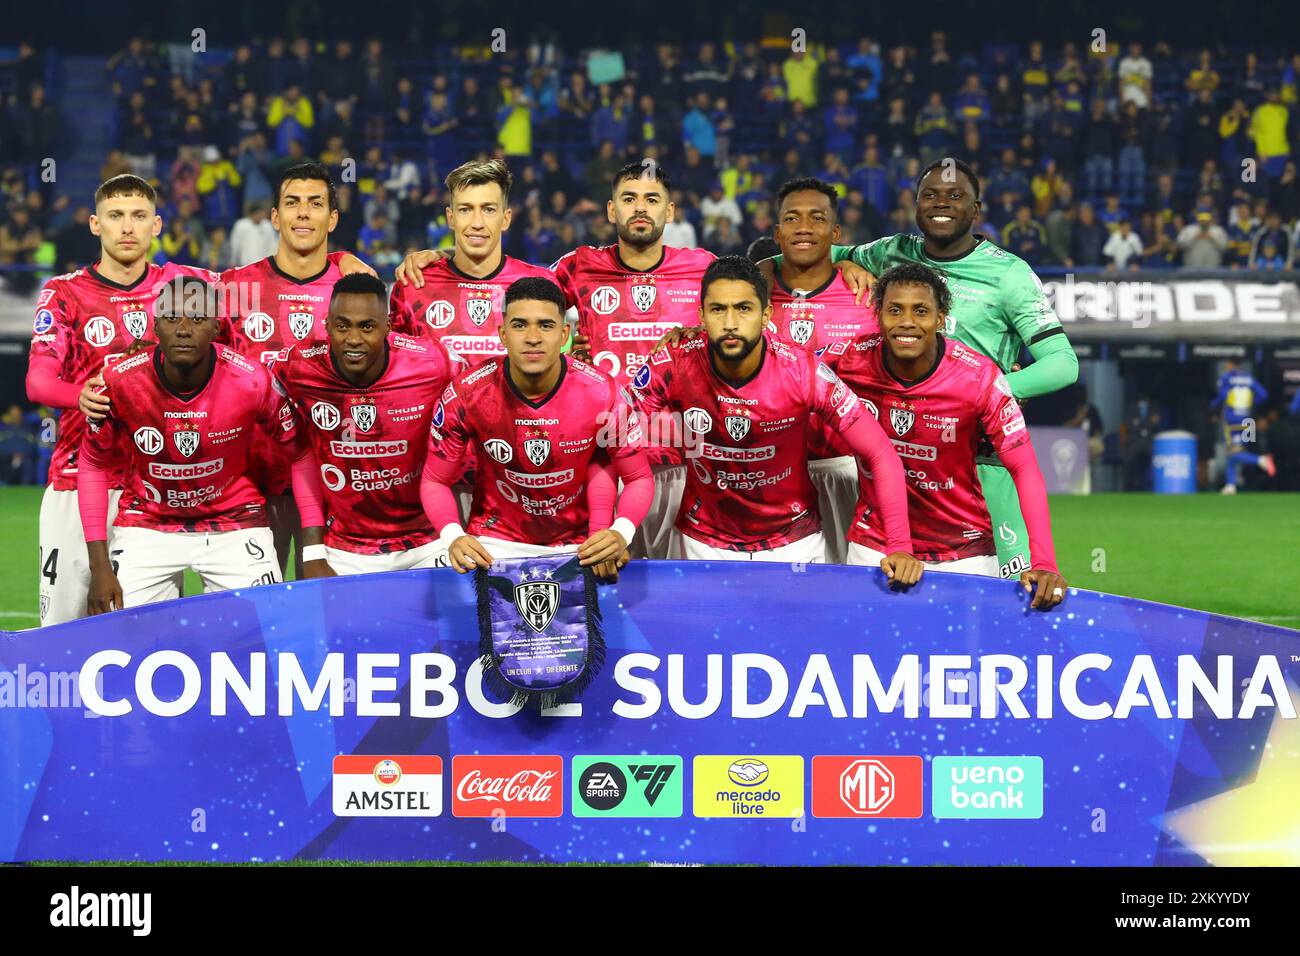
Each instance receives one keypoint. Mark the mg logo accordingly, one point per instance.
(99, 331)
(259, 326)
(148, 440)
(605, 299)
(325, 416)
(440, 314)
(867, 787)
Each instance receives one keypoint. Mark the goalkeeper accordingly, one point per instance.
(998, 305)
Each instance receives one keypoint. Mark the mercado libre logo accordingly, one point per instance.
(485, 785)
(748, 786)
(627, 786)
(387, 786)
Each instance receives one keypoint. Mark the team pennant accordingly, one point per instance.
(539, 628)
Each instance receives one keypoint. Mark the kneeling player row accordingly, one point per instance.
(384, 428)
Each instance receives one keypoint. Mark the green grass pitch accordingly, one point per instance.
(1232, 555)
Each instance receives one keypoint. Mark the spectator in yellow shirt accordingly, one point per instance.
(800, 72)
(1203, 76)
(1268, 130)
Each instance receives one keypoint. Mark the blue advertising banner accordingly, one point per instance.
(745, 713)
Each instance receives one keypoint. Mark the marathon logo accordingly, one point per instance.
(639, 331)
(723, 453)
(367, 449)
(188, 471)
(474, 344)
(548, 479)
(907, 449)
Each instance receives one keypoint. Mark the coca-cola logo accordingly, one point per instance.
(529, 786)
(521, 786)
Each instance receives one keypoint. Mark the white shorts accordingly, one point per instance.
(836, 481)
(431, 555)
(499, 548)
(64, 565)
(985, 565)
(809, 550)
(152, 563)
(654, 537)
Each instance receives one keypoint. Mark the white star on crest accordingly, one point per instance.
(523, 577)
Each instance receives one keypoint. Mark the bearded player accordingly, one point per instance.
(938, 400)
(998, 307)
(277, 302)
(750, 398)
(535, 418)
(184, 418)
(364, 403)
(84, 320)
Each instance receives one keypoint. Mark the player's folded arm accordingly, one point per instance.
(45, 387)
(867, 440)
(1054, 367)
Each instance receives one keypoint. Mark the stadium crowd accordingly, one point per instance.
(1126, 158)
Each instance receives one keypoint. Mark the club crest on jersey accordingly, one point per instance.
(300, 324)
(325, 416)
(537, 601)
(479, 310)
(363, 416)
(440, 314)
(99, 331)
(737, 426)
(186, 441)
(258, 326)
(148, 440)
(801, 330)
(136, 322)
(605, 299)
(499, 449)
(537, 450)
(643, 296)
(902, 421)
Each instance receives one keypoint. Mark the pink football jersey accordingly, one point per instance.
(267, 312)
(529, 486)
(188, 458)
(747, 484)
(83, 322)
(369, 442)
(460, 312)
(936, 424)
(623, 311)
(817, 317)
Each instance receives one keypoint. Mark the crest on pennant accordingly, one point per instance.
(537, 601)
(537, 450)
(186, 441)
(300, 324)
(479, 310)
(136, 322)
(643, 296)
(363, 416)
(737, 426)
(902, 420)
(801, 330)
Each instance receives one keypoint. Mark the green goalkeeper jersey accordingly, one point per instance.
(997, 301)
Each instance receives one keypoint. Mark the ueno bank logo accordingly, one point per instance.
(867, 787)
(987, 788)
(512, 786)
